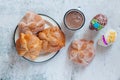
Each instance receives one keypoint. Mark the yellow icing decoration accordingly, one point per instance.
(111, 37)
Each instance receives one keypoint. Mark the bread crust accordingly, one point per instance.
(29, 46)
(31, 22)
(81, 51)
(53, 39)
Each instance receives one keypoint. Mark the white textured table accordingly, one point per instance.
(106, 64)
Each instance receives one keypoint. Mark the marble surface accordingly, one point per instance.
(105, 66)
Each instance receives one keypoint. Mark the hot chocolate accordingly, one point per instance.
(74, 19)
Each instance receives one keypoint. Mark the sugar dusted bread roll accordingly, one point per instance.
(29, 46)
(53, 39)
(31, 22)
(108, 38)
(81, 51)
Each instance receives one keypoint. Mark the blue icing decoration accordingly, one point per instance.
(96, 25)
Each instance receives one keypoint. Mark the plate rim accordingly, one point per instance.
(48, 58)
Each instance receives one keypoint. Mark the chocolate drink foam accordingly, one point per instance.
(74, 20)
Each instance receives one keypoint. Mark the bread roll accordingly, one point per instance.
(53, 39)
(81, 51)
(29, 46)
(31, 22)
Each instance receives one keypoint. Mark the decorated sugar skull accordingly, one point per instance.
(98, 22)
(108, 38)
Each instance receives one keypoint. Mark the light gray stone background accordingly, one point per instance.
(105, 65)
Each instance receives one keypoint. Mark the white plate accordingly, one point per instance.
(41, 58)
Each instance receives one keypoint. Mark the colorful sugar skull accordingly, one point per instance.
(108, 38)
(98, 22)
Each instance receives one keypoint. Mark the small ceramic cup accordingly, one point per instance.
(74, 19)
